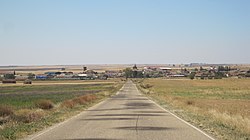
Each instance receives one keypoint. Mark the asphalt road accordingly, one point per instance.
(127, 115)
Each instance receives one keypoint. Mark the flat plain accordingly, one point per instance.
(220, 107)
(25, 109)
(128, 115)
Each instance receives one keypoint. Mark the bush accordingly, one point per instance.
(88, 98)
(189, 102)
(27, 81)
(219, 75)
(192, 75)
(9, 76)
(44, 104)
(5, 111)
(80, 101)
(146, 86)
(68, 104)
(27, 116)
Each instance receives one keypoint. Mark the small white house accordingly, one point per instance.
(82, 75)
(165, 68)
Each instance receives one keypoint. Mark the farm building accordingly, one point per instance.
(21, 77)
(82, 76)
(165, 68)
(50, 73)
(41, 77)
(177, 75)
(1, 77)
(62, 76)
(85, 76)
(112, 74)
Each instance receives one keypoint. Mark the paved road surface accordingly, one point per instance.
(127, 115)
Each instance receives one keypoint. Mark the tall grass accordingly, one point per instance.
(5, 110)
(44, 104)
(82, 100)
(28, 116)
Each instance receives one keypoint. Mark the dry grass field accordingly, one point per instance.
(63, 82)
(220, 107)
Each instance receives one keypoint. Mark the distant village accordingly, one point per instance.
(192, 71)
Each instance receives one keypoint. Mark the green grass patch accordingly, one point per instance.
(26, 96)
(28, 118)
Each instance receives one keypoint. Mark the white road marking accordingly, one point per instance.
(182, 120)
(57, 125)
(177, 117)
(34, 136)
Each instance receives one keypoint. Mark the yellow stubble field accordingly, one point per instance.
(221, 107)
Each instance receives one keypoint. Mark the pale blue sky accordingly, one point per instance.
(43, 32)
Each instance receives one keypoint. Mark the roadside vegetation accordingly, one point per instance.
(26, 109)
(219, 107)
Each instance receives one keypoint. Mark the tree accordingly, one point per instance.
(247, 74)
(128, 72)
(192, 75)
(31, 76)
(9, 76)
(134, 74)
(139, 74)
(224, 68)
(201, 68)
(219, 75)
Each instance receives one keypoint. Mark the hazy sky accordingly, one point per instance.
(124, 31)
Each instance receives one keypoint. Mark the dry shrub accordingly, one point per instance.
(80, 101)
(44, 104)
(5, 111)
(68, 104)
(146, 86)
(88, 98)
(4, 119)
(27, 115)
(190, 102)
